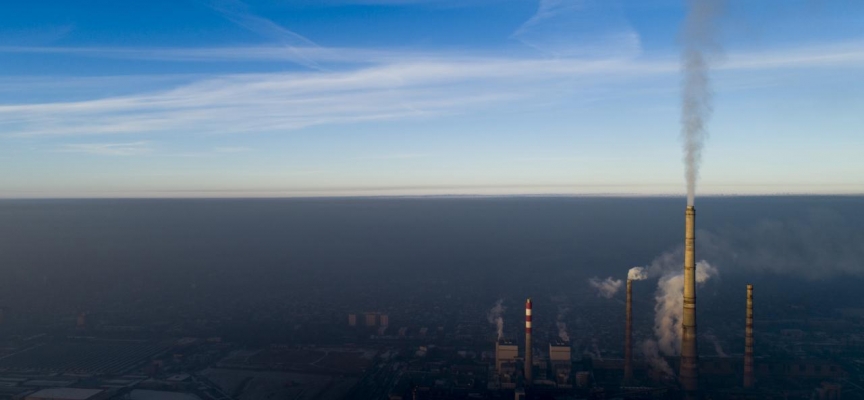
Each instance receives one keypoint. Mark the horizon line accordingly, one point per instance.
(434, 196)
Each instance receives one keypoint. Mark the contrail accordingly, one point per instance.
(698, 37)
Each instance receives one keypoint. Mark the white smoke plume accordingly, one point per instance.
(562, 326)
(717, 347)
(606, 287)
(562, 331)
(670, 306)
(652, 356)
(666, 263)
(496, 316)
(815, 244)
(637, 274)
(698, 39)
(593, 351)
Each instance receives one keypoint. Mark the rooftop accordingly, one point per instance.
(64, 394)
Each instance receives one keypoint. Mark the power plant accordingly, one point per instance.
(689, 370)
(534, 373)
(506, 355)
(660, 369)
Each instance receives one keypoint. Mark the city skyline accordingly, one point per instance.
(389, 97)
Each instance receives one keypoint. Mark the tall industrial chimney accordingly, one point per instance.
(628, 335)
(528, 359)
(689, 371)
(748, 341)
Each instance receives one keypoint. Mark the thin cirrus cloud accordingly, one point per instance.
(579, 28)
(265, 53)
(232, 149)
(108, 149)
(385, 87)
(362, 84)
(286, 101)
(238, 13)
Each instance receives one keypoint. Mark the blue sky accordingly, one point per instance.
(411, 97)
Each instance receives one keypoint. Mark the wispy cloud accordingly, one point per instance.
(34, 36)
(580, 28)
(398, 156)
(259, 53)
(232, 149)
(238, 13)
(285, 101)
(413, 87)
(108, 149)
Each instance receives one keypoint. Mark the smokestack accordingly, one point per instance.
(689, 371)
(628, 334)
(748, 341)
(528, 360)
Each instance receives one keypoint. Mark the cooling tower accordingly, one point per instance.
(628, 334)
(748, 340)
(528, 360)
(689, 371)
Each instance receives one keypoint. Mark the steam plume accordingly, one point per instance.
(698, 39)
(637, 274)
(495, 316)
(562, 326)
(652, 355)
(562, 331)
(593, 351)
(717, 347)
(669, 307)
(606, 287)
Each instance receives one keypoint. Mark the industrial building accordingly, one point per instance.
(506, 359)
(69, 394)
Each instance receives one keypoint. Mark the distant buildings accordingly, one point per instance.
(370, 319)
(69, 394)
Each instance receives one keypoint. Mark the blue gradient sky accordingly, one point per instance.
(407, 97)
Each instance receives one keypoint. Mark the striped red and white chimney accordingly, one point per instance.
(528, 359)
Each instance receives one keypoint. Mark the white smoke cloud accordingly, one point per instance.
(496, 316)
(562, 331)
(670, 306)
(637, 274)
(652, 355)
(815, 244)
(562, 326)
(593, 351)
(606, 287)
(698, 37)
(718, 348)
(664, 264)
